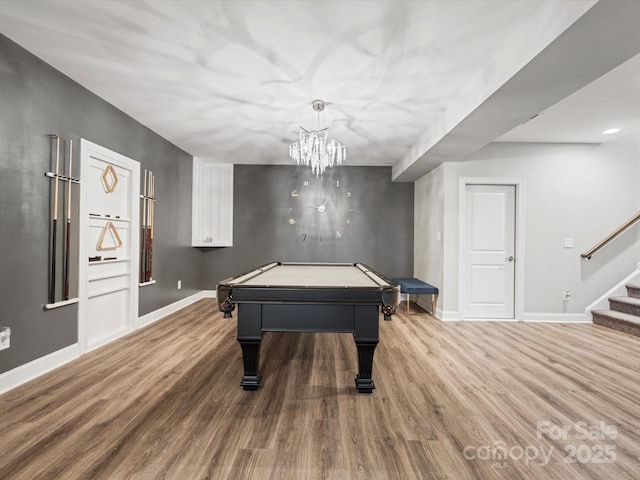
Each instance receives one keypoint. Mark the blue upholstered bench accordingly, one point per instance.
(417, 287)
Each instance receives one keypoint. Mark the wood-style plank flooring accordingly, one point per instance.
(457, 400)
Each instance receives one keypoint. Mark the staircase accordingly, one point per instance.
(624, 314)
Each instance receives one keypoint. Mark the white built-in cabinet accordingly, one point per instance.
(212, 210)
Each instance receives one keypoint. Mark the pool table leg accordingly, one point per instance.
(251, 362)
(249, 338)
(366, 336)
(364, 379)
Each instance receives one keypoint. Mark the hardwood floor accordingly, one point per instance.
(165, 403)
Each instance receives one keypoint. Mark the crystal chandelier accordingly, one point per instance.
(313, 147)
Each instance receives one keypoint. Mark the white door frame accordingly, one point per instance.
(88, 149)
(520, 244)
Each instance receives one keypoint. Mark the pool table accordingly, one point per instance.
(308, 297)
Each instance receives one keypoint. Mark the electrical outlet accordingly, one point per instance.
(179, 284)
(566, 294)
(5, 338)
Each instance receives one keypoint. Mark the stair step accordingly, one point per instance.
(633, 290)
(628, 305)
(620, 321)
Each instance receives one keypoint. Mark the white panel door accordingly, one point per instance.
(109, 216)
(489, 256)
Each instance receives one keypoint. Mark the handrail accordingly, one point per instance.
(609, 238)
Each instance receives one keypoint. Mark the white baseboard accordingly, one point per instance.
(452, 316)
(40, 366)
(618, 290)
(490, 320)
(557, 317)
(448, 315)
(156, 315)
(27, 372)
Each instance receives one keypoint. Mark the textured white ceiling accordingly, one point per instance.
(231, 81)
(612, 100)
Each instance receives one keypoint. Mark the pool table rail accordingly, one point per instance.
(234, 290)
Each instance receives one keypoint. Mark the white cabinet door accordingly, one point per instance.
(212, 220)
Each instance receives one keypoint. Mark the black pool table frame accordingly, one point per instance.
(296, 308)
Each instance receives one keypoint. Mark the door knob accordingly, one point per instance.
(509, 259)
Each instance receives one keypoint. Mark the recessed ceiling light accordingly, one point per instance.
(611, 131)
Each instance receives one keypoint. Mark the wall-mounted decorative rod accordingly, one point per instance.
(610, 238)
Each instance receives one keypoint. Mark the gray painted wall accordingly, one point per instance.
(37, 100)
(379, 232)
(429, 219)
